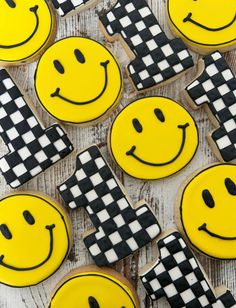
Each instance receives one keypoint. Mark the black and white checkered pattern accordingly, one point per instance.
(178, 277)
(121, 229)
(216, 87)
(65, 7)
(157, 58)
(32, 149)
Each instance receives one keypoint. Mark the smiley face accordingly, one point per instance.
(34, 239)
(207, 211)
(204, 24)
(85, 80)
(153, 138)
(27, 27)
(80, 289)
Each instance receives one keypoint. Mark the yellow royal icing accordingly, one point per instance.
(26, 28)
(85, 80)
(208, 213)
(93, 289)
(153, 138)
(208, 24)
(34, 239)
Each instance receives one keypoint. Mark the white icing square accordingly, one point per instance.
(72, 205)
(202, 100)
(155, 30)
(59, 145)
(219, 104)
(183, 55)
(94, 250)
(3, 113)
(63, 187)
(130, 7)
(179, 257)
(155, 286)
(80, 174)
(111, 184)
(208, 85)
(122, 203)
(212, 70)
(99, 162)
(12, 133)
(76, 192)
(144, 74)
(89, 210)
(119, 220)
(191, 278)
(44, 141)
(158, 78)
(178, 68)
(216, 56)
(193, 263)
(148, 60)
(151, 45)
(170, 290)
(163, 65)
(8, 83)
(91, 195)
(96, 179)
(28, 137)
(111, 17)
(125, 21)
(145, 11)
(153, 231)
(32, 122)
(141, 210)
(5, 98)
(135, 226)
(136, 40)
(16, 117)
(100, 234)
(139, 86)
(103, 215)
(36, 170)
(227, 75)
(204, 301)
(85, 157)
(205, 285)
(232, 109)
(20, 102)
(167, 50)
(223, 142)
(187, 296)
(223, 89)
(111, 256)
(140, 25)
(24, 153)
(132, 244)
(4, 165)
(19, 170)
(175, 273)
(107, 199)
(55, 158)
(115, 238)
(169, 239)
(230, 125)
(15, 184)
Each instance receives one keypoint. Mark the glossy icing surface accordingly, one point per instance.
(85, 80)
(26, 28)
(206, 23)
(93, 290)
(34, 238)
(207, 211)
(153, 138)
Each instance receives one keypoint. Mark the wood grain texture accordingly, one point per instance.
(159, 194)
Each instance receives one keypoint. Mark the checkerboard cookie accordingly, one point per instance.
(121, 229)
(31, 147)
(155, 58)
(215, 87)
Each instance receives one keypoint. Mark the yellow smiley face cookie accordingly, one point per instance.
(85, 81)
(26, 28)
(93, 287)
(153, 138)
(205, 25)
(34, 239)
(207, 211)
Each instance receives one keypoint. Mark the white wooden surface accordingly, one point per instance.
(159, 194)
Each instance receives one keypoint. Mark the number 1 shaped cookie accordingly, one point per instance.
(156, 59)
(177, 276)
(32, 148)
(120, 228)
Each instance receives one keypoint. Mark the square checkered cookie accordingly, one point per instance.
(65, 7)
(32, 148)
(120, 228)
(157, 59)
(177, 276)
(216, 87)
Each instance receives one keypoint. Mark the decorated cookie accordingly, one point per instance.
(121, 229)
(94, 287)
(153, 137)
(206, 25)
(67, 8)
(31, 148)
(209, 221)
(27, 28)
(215, 87)
(85, 81)
(155, 58)
(177, 276)
(35, 237)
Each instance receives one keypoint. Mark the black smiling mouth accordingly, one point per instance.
(133, 148)
(203, 227)
(50, 229)
(34, 10)
(189, 18)
(57, 92)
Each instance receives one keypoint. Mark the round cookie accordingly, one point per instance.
(153, 138)
(94, 287)
(85, 81)
(27, 28)
(205, 25)
(206, 211)
(35, 235)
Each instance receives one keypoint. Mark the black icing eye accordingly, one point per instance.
(5, 231)
(159, 114)
(11, 3)
(79, 56)
(231, 187)
(137, 125)
(58, 66)
(93, 302)
(28, 217)
(208, 199)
